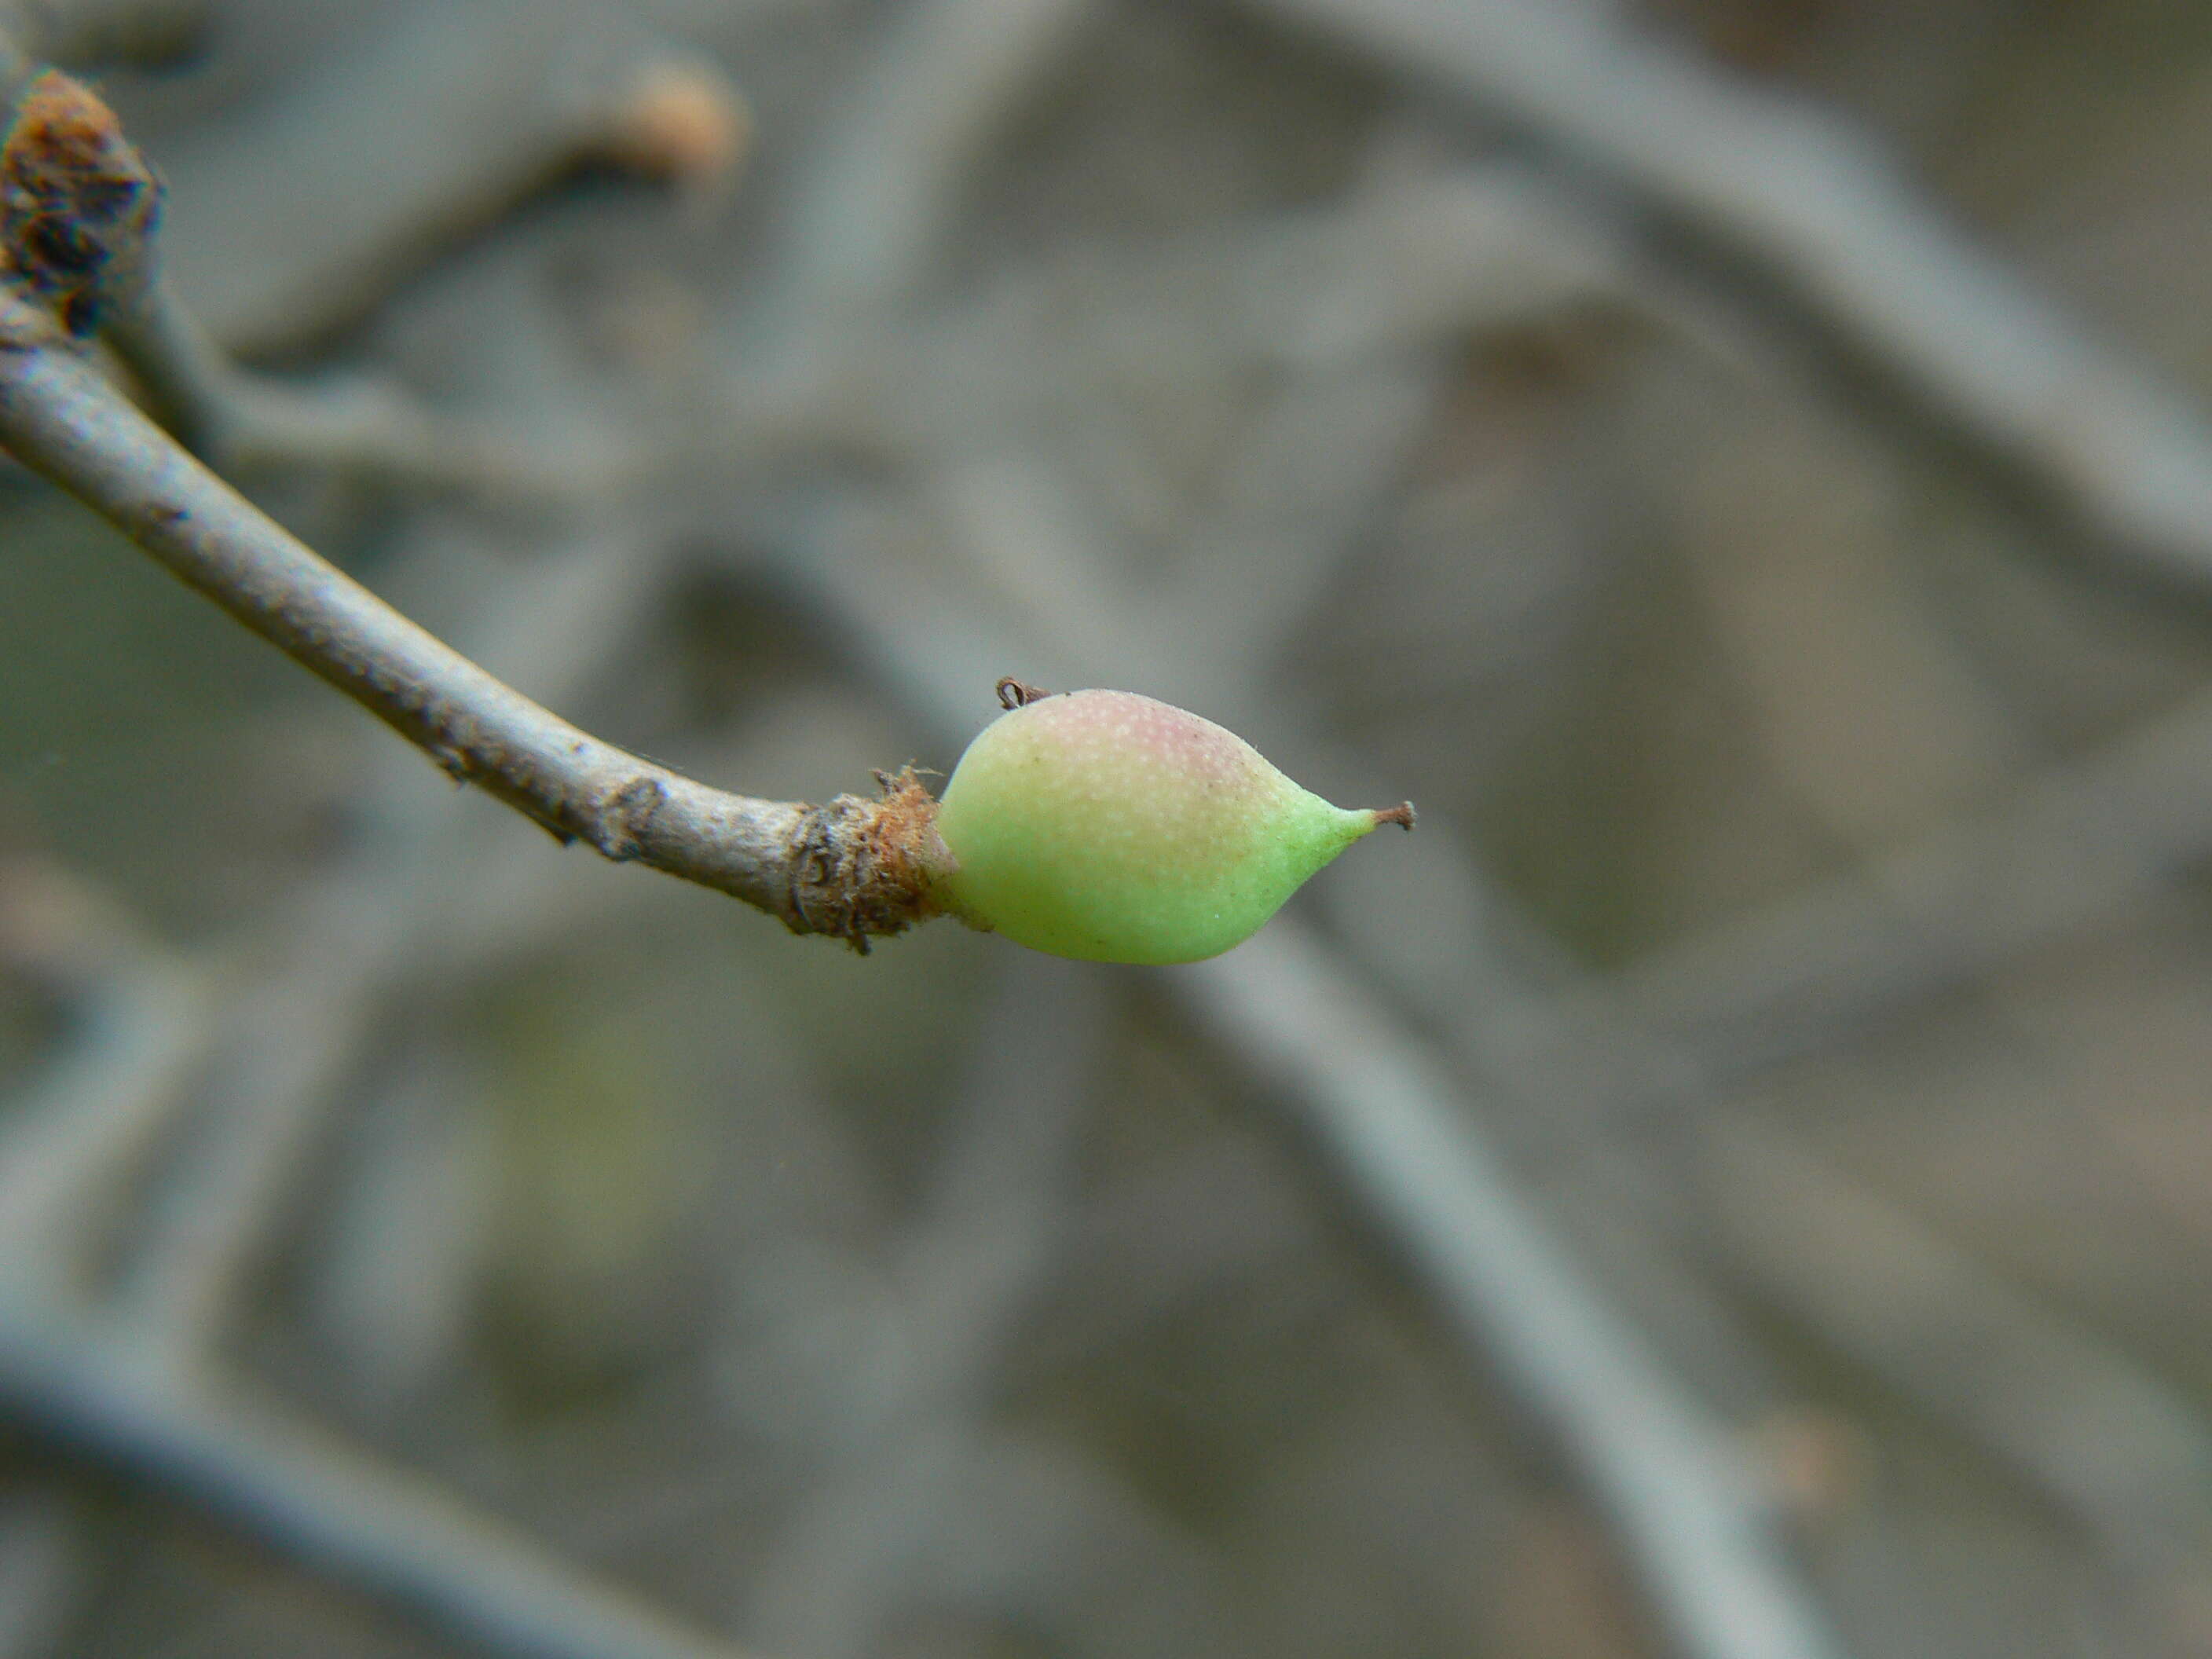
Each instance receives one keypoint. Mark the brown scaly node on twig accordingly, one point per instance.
(865, 869)
(77, 202)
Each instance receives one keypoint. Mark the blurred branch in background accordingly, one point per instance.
(93, 1389)
(877, 1530)
(1809, 201)
(86, 33)
(2071, 849)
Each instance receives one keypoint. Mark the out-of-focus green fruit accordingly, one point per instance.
(1107, 826)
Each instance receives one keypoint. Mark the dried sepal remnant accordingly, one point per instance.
(77, 202)
(867, 869)
(1018, 694)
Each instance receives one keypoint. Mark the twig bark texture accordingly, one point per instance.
(851, 868)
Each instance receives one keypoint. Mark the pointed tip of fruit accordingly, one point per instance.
(1401, 815)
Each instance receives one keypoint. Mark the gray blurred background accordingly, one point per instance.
(1742, 469)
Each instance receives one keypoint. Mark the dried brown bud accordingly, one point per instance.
(77, 202)
(681, 122)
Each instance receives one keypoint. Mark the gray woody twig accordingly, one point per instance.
(850, 868)
(1681, 1494)
(501, 99)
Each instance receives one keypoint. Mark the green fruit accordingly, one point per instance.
(1104, 825)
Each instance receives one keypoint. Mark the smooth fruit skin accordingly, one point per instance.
(1110, 827)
